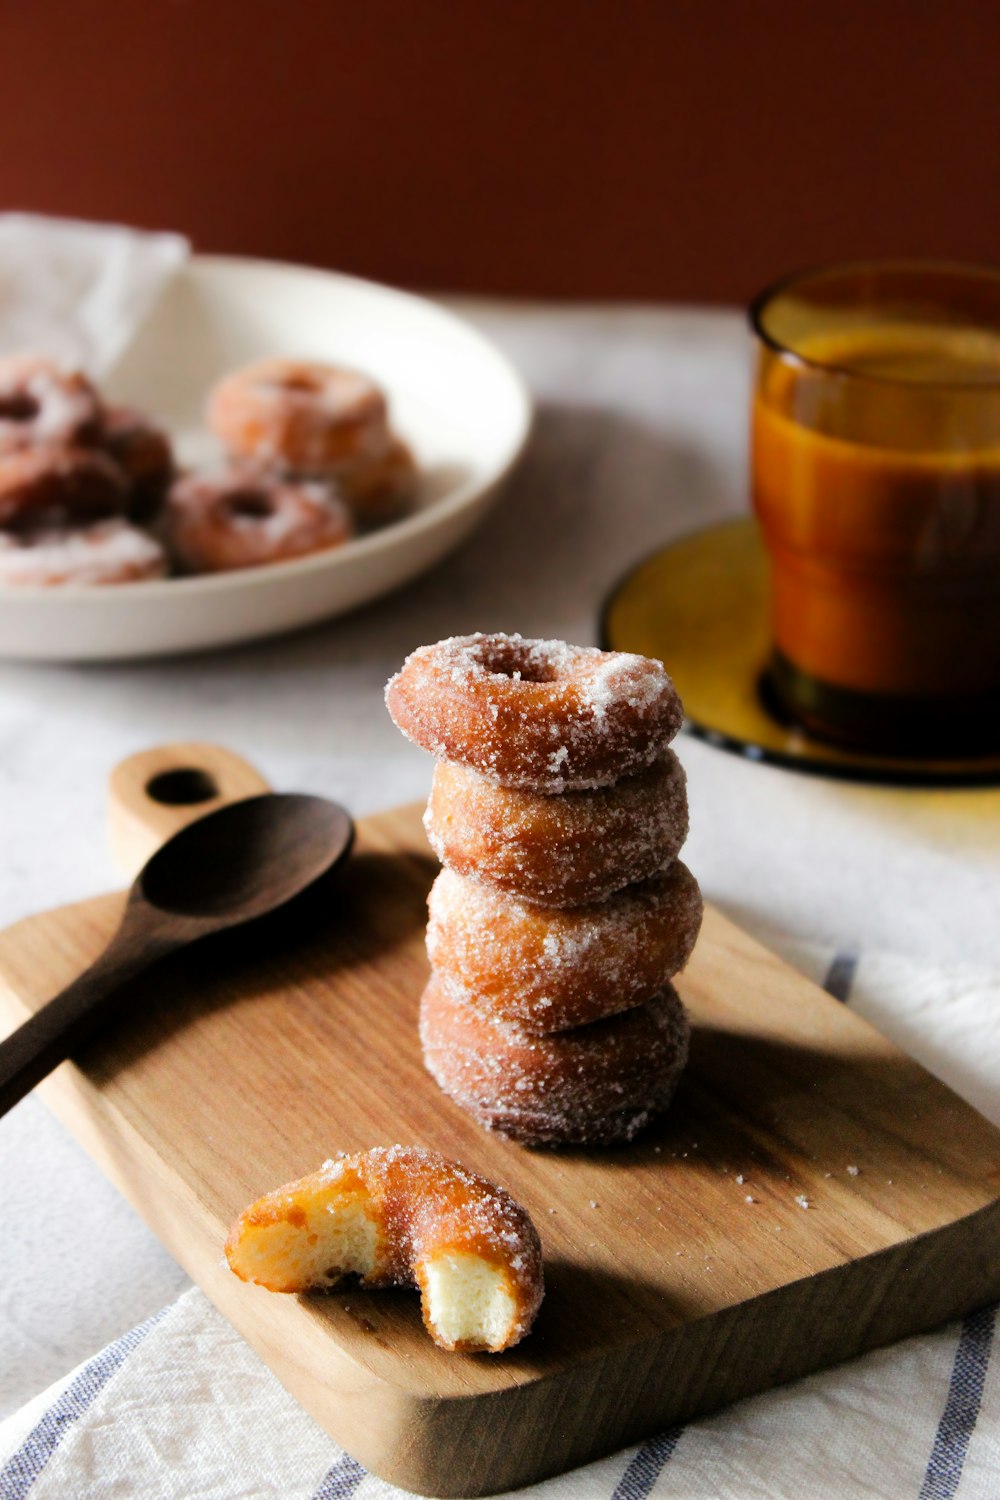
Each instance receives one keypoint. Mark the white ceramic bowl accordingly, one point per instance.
(454, 398)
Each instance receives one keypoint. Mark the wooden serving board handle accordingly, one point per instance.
(154, 794)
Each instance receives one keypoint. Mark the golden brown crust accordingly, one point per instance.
(317, 421)
(543, 716)
(43, 404)
(546, 969)
(593, 1085)
(247, 516)
(380, 488)
(424, 1206)
(307, 416)
(559, 851)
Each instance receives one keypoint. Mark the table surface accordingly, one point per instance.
(641, 436)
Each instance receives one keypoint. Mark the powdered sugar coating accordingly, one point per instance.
(318, 421)
(41, 403)
(106, 552)
(593, 1085)
(539, 715)
(546, 969)
(248, 515)
(302, 414)
(424, 1206)
(559, 851)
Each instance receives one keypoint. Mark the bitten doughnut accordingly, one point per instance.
(559, 851)
(69, 482)
(104, 552)
(247, 517)
(40, 402)
(307, 416)
(593, 1085)
(547, 970)
(143, 453)
(401, 1216)
(543, 716)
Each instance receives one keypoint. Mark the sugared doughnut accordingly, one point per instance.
(559, 851)
(380, 488)
(540, 715)
(105, 552)
(590, 1086)
(546, 970)
(143, 453)
(41, 403)
(307, 416)
(68, 482)
(248, 516)
(401, 1216)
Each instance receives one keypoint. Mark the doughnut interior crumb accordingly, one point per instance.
(311, 1248)
(468, 1300)
(401, 1216)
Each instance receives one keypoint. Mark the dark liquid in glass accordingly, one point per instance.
(878, 491)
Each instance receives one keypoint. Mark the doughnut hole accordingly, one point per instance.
(300, 383)
(248, 516)
(250, 505)
(466, 1300)
(520, 660)
(41, 402)
(18, 406)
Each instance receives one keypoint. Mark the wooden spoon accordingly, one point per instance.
(229, 867)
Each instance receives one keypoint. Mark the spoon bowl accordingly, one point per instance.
(246, 859)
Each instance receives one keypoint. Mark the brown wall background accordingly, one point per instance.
(570, 148)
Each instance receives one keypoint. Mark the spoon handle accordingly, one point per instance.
(62, 1026)
(156, 793)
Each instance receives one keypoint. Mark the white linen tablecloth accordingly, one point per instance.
(891, 894)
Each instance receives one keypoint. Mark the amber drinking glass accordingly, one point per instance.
(876, 482)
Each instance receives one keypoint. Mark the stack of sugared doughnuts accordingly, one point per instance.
(562, 912)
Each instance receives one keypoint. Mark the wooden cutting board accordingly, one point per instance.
(728, 1249)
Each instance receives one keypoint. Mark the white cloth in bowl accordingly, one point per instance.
(79, 291)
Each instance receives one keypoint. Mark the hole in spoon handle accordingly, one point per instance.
(154, 794)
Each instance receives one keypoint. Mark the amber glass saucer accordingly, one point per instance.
(700, 605)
